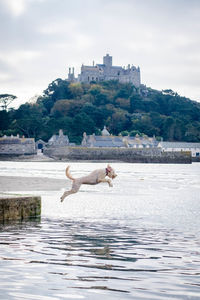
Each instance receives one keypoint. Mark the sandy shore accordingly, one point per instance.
(13, 183)
(38, 158)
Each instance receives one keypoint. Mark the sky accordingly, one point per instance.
(41, 39)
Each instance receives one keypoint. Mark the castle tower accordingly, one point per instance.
(71, 76)
(107, 60)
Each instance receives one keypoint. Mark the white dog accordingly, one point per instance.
(95, 177)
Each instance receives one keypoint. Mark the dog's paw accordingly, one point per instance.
(61, 199)
(110, 184)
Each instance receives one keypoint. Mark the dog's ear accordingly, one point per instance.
(109, 168)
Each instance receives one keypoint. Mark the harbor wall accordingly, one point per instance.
(147, 155)
(17, 146)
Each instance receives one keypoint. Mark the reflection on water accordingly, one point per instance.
(90, 260)
(139, 240)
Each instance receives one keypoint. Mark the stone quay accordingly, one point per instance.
(19, 207)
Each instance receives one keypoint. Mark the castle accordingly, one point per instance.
(106, 71)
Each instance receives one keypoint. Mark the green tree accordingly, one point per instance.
(169, 129)
(47, 103)
(79, 107)
(99, 95)
(28, 120)
(124, 133)
(6, 100)
(58, 89)
(192, 133)
(98, 114)
(135, 132)
(169, 92)
(136, 103)
(76, 90)
(82, 123)
(67, 107)
(53, 125)
(4, 120)
(117, 121)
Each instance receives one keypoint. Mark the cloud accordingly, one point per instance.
(18, 7)
(17, 58)
(15, 7)
(4, 77)
(41, 39)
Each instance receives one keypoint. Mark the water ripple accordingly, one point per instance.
(139, 240)
(114, 259)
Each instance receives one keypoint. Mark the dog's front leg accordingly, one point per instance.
(107, 180)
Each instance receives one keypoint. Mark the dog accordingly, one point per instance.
(93, 178)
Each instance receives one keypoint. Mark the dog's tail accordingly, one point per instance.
(68, 174)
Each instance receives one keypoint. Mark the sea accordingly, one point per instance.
(139, 239)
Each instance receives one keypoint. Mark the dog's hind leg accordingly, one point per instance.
(75, 188)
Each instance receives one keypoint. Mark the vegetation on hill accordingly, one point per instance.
(78, 108)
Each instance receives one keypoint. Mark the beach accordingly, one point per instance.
(14, 183)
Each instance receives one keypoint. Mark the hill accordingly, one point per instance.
(78, 108)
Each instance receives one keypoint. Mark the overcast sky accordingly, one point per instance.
(41, 39)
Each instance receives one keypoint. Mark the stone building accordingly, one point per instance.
(14, 145)
(58, 140)
(108, 140)
(106, 71)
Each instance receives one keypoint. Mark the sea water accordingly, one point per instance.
(137, 240)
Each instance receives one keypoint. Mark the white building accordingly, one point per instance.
(108, 140)
(194, 148)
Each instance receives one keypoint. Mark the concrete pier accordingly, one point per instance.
(19, 207)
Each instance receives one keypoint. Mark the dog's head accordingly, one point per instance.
(110, 172)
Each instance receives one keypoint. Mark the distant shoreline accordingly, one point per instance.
(43, 158)
(33, 158)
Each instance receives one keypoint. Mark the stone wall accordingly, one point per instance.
(150, 155)
(17, 146)
(196, 159)
(19, 207)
